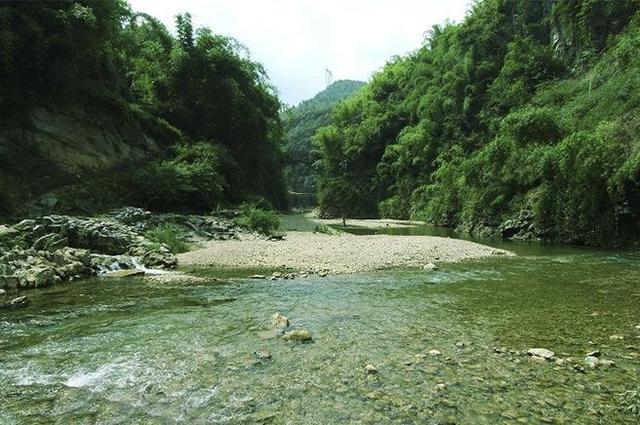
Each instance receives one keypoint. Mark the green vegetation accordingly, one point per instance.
(257, 219)
(198, 93)
(526, 113)
(300, 123)
(172, 235)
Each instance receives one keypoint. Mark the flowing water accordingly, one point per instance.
(135, 352)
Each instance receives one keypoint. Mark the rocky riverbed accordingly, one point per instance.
(50, 249)
(337, 254)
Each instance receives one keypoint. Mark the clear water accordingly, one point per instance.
(134, 352)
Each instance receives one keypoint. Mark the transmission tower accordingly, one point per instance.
(328, 75)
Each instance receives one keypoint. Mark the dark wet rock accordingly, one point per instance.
(298, 335)
(19, 302)
(9, 282)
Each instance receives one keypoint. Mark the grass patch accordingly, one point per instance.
(171, 235)
(258, 220)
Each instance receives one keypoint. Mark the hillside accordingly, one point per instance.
(103, 106)
(300, 123)
(521, 121)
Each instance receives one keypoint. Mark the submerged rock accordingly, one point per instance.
(123, 273)
(262, 355)
(298, 335)
(279, 321)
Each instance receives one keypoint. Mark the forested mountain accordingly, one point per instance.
(300, 124)
(522, 119)
(105, 102)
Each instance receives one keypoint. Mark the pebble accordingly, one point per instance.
(591, 361)
(595, 353)
(371, 369)
(434, 353)
(460, 344)
(3, 292)
(263, 355)
(441, 387)
(323, 274)
(257, 276)
(430, 267)
(616, 337)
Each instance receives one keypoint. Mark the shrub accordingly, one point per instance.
(171, 235)
(257, 219)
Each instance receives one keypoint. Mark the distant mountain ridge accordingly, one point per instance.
(300, 124)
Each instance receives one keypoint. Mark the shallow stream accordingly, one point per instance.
(134, 352)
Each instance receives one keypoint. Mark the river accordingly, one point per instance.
(134, 352)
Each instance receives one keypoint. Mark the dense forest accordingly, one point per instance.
(300, 124)
(522, 120)
(198, 95)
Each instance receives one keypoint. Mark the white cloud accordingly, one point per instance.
(297, 39)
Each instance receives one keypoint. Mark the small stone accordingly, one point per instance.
(595, 353)
(578, 368)
(276, 274)
(541, 352)
(460, 344)
(257, 276)
(298, 335)
(304, 275)
(606, 363)
(560, 362)
(538, 359)
(263, 355)
(430, 267)
(371, 369)
(3, 292)
(434, 353)
(279, 321)
(591, 361)
(616, 337)
(441, 387)
(323, 274)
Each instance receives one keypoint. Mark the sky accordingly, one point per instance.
(297, 40)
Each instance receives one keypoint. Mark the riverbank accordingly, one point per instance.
(337, 254)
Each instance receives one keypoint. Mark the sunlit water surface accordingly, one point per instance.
(134, 352)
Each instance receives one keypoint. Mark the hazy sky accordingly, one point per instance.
(297, 39)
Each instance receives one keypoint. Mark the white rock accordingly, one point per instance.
(434, 353)
(371, 369)
(541, 352)
(591, 361)
(430, 267)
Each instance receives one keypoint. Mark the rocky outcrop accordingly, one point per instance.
(50, 159)
(46, 250)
